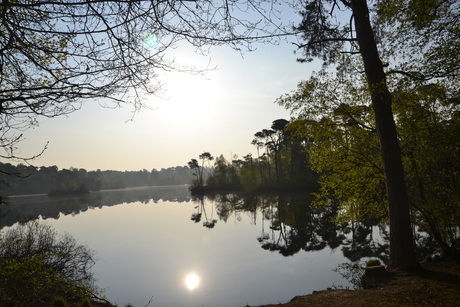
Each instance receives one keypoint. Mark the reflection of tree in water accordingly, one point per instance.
(27, 208)
(231, 204)
(196, 217)
(361, 242)
(295, 226)
(290, 224)
(267, 238)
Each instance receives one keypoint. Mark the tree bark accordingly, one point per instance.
(402, 253)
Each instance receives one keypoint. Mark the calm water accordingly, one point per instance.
(245, 251)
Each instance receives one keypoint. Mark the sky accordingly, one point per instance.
(218, 112)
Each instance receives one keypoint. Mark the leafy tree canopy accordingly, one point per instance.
(333, 110)
(381, 32)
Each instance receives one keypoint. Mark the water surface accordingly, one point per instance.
(244, 252)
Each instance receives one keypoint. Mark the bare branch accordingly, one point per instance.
(56, 54)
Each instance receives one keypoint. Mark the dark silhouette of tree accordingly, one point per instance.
(225, 175)
(274, 140)
(193, 164)
(262, 138)
(277, 143)
(199, 168)
(256, 142)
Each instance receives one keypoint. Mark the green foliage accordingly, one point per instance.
(429, 124)
(225, 175)
(86, 303)
(37, 266)
(69, 188)
(275, 141)
(423, 35)
(373, 262)
(344, 148)
(332, 111)
(249, 177)
(283, 165)
(10, 303)
(31, 283)
(351, 271)
(59, 302)
(410, 41)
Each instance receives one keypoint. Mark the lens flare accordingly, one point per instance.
(151, 41)
(192, 281)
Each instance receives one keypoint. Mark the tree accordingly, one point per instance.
(277, 143)
(199, 169)
(428, 125)
(56, 54)
(225, 175)
(63, 254)
(334, 112)
(250, 171)
(273, 139)
(326, 37)
(260, 139)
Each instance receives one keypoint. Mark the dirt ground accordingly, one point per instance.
(438, 284)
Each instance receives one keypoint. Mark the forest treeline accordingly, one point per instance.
(281, 164)
(27, 179)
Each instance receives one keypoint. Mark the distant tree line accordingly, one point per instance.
(27, 179)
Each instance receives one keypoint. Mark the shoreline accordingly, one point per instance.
(437, 284)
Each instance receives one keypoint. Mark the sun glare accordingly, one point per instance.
(192, 281)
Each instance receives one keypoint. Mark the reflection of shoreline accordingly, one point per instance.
(25, 195)
(100, 191)
(289, 224)
(23, 208)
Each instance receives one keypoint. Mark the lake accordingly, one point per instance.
(242, 251)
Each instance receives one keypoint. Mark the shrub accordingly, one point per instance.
(351, 271)
(37, 265)
(62, 253)
(59, 302)
(86, 303)
(373, 262)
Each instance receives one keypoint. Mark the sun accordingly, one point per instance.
(192, 281)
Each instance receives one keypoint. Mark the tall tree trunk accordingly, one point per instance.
(402, 253)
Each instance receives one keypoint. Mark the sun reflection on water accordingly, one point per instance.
(192, 281)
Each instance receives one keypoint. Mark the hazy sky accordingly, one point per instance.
(218, 113)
